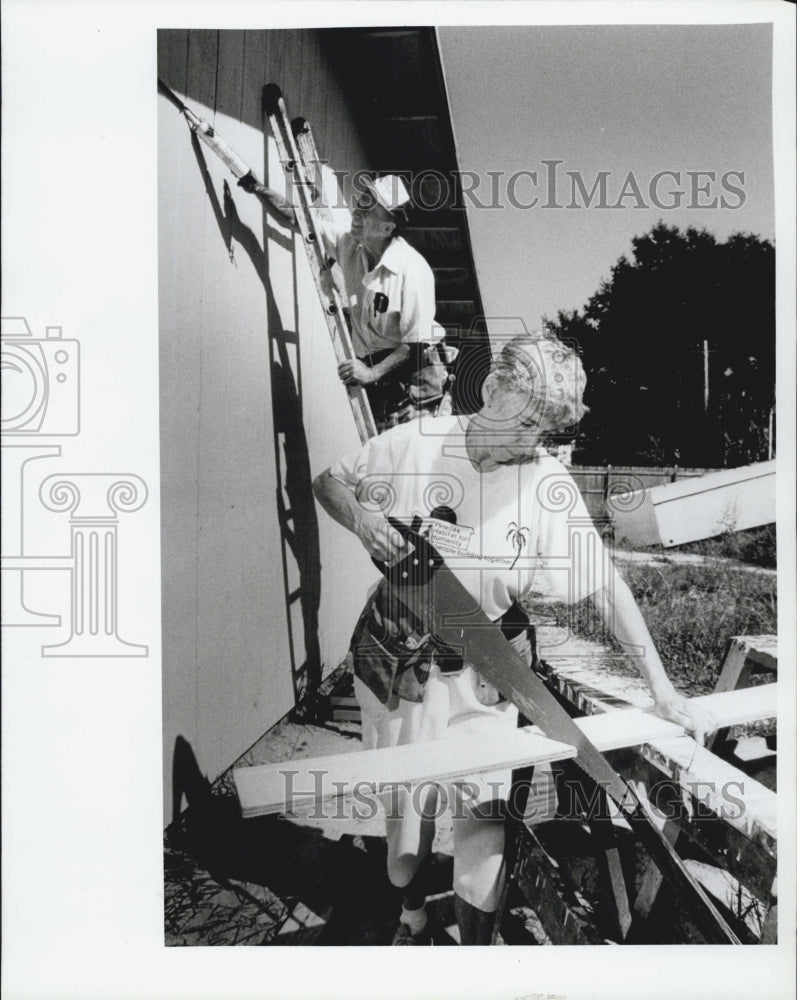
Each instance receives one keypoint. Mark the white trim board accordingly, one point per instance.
(685, 511)
(267, 787)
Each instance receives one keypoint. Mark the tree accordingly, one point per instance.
(679, 300)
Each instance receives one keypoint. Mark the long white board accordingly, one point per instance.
(686, 511)
(294, 784)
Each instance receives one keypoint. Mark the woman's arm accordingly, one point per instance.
(622, 616)
(380, 540)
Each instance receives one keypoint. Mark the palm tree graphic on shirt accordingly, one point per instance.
(519, 538)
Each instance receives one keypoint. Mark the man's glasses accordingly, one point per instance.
(365, 203)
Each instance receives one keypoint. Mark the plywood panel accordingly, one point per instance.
(173, 58)
(292, 69)
(181, 269)
(276, 42)
(240, 327)
(218, 599)
(202, 64)
(334, 133)
(312, 97)
(229, 77)
(242, 650)
(254, 77)
(179, 403)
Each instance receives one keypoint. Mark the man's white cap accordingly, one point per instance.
(389, 191)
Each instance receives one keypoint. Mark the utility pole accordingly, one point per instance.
(769, 431)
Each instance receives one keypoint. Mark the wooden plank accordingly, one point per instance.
(721, 788)
(542, 800)
(627, 728)
(173, 57)
(312, 96)
(292, 69)
(610, 868)
(719, 842)
(735, 708)
(761, 650)
(201, 86)
(181, 221)
(276, 43)
(727, 889)
(653, 878)
(591, 689)
(564, 913)
(229, 80)
(270, 788)
(701, 507)
(263, 788)
(254, 70)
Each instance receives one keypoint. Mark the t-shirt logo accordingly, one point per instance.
(519, 538)
(380, 303)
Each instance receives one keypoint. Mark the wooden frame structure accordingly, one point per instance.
(720, 811)
(725, 816)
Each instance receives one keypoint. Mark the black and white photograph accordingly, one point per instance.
(399, 500)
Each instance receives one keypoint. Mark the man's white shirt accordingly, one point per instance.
(389, 305)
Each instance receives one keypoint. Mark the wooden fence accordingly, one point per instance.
(597, 483)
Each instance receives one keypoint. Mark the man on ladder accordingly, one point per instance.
(389, 291)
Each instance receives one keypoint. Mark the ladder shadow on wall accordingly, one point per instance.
(298, 520)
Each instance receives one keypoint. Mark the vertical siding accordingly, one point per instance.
(250, 404)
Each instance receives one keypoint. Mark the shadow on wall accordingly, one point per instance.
(298, 520)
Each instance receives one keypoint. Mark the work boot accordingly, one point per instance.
(404, 935)
(475, 926)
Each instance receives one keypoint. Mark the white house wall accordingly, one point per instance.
(238, 316)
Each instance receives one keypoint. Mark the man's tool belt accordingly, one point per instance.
(394, 658)
(420, 381)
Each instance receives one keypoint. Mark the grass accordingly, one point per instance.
(756, 546)
(691, 611)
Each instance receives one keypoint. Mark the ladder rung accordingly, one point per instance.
(289, 336)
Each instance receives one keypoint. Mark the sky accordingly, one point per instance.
(626, 98)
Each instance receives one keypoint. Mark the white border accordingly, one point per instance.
(82, 871)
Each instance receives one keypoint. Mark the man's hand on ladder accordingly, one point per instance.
(355, 372)
(331, 277)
